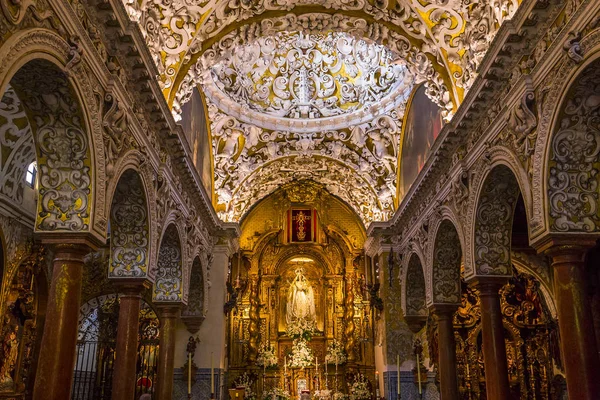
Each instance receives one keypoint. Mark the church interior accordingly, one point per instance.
(299, 200)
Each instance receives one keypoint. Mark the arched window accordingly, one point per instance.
(31, 173)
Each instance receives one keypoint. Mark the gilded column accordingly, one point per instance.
(254, 315)
(494, 348)
(123, 385)
(168, 315)
(59, 341)
(575, 322)
(349, 320)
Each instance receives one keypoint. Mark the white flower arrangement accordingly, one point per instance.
(246, 382)
(339, 396)
(266, 356)
(276, 394)
(301, 328)
(359, 389)
(302, 356)
(335, 353)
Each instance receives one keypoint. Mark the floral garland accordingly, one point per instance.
(266, 356)
(302, 356)
(301, 328)
(246, 381)
(276, 394)
(359, 389)
(335, 353)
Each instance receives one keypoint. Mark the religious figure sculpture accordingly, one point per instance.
(301, 300)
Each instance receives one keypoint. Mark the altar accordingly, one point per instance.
(303, 324)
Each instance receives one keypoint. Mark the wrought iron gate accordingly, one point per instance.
(96, 350)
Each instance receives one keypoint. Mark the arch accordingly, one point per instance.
(414, 303)
(492, 223)
(573, 164)
(563, 78)
(197, 293)
(137, 162)
(17, 151)
(446, 261)
(130, 228)
(309, 251)
(168, 286)
(67, 132)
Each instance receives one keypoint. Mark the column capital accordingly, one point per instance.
(565, 243)
(131, 287)
(415, 322)
(168, 310)
(443, 310)
(488, 285)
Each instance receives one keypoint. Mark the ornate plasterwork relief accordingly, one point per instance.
(493, 222)
(298, 82)
(168, 285)
(64, 160)
(574, 166)
(445, 272)
(358, 165)
(414, 286)
(130, 229)
(17, 150)
(456, 32)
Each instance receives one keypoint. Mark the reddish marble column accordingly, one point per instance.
(446, 351)
(123, 385)
(57, 353)
(494, 347)
(575, 322)
(168, 316)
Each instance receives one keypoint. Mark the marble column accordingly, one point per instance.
(446, 351)
(168, 316)
(494, 347)
(575, 322)
(124, 375)
(59, 342)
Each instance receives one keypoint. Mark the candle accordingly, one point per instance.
(377, 383)
(189, 373)
(398, 364)
(419, 372)
(212, 375)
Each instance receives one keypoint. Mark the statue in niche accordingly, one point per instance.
(301, 299)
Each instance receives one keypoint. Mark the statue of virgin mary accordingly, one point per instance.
(301, 300)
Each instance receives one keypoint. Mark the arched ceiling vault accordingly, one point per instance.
(314, 88)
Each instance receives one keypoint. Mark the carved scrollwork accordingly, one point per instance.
(130, 234)
(446, 265)
(415, 288)
(17, 149)
(574, 160)
(64, 161)
(493, 222)
(168, 284)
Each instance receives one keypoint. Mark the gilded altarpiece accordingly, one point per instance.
(531, 336)
(281, 281)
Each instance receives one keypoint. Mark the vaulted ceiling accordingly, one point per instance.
(314, 88)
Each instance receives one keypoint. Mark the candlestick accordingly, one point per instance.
(419, 372)
(398, 364)
(189, 373)
(212, 375)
